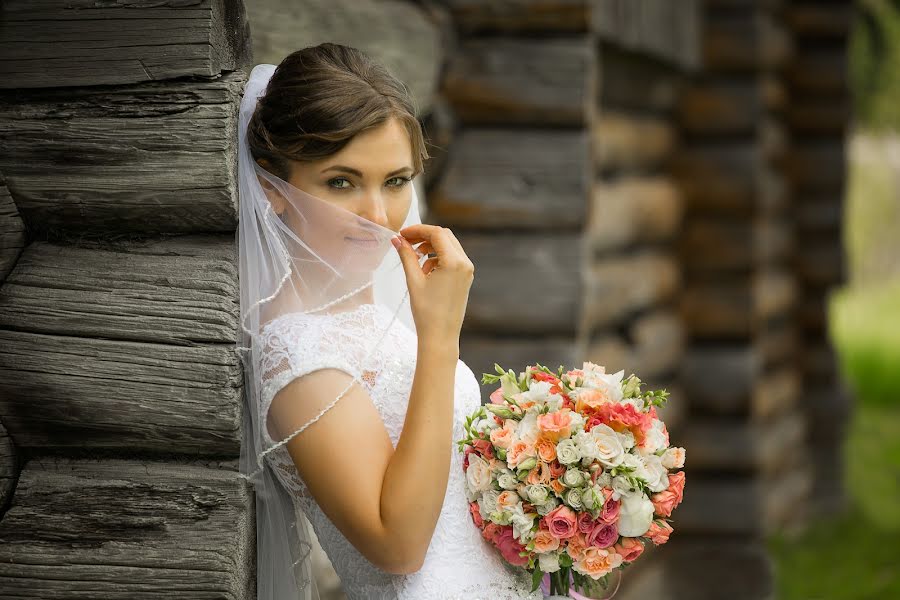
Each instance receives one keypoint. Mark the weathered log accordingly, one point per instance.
(12, 231)
(818, 166)
(633, 210)
(730, 380)
(400, 35)
(652, 349)
(57, 43)
(815, 116)
(180, 290)
(820, 214)
(828, 406)
(59, 391)
(721, 106)
(9, 468)
(737, 445)
(738, 308)
(563, 16)
(729, 178)
(128, 529)
(743, 43)
(716, 244)
(480, 352)
(628, 142)
(499, 81)
(630, 81)
(618, 287)
(660, 28)
(710, 567)
(544, 294)
(503, 178)
(820, 72)
(814, 19)
(153, 157)
(820, 262)
(819, 361)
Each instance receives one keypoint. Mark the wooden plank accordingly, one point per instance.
(112, 528)
(515, 352)
(737, 307)
(652, 346)
(400, 35)
(630, 142)
(660, 28)
(620, 286)
(12, 231)
(561, 16)
(735, 43)
(633, 210)
(544, 268)
(59, 43)
(69, 392)
(820, 117)
(630, 81)
(152, 157)
(818, 166)
(503, 178)
(821, 261)
(720, 106)
(715, 566)
(819, 214)
(9, 469)
(813, 18)
(180, 290)
(502, 80)
(715, 244)
(736, 445)
(820, 71)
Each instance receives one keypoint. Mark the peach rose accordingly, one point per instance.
(507, 499)
(557, 486)
(659, 532)
(502, 436)
(597, 562)
(629, 548)
(539, 474)
(546, 449)
(665, 502)
(561, 522)
(545, 542)
(575, 546)
(556, 425)
(589, 399)
(497, 396)
(518, 453)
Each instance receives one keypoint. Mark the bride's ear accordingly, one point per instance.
(275, 199)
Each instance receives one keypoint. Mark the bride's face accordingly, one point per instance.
(370, 176)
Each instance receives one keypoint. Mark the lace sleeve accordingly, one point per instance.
(295, 345)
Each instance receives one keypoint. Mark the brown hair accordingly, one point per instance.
(319, 98)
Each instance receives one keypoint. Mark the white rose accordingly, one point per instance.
(573, 478)
(656, 439)
(573, 498)
(478, 474)
(538, 392)
(576, 420)
(621, 487)
(627, 439)
(528, 430)
(610, 452)
(673, 458)
(537, 494)
(507, 481)
(657, 475)
(610, 385)
(522, 523)
(566, 452)
(488, 503)
(549, 562)
(635, 515)
(604, 480)
(548, 506)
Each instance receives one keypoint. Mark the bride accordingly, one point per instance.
(349, 340)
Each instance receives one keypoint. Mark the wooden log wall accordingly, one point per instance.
(818, 116)
(749, 470)
(119, 384)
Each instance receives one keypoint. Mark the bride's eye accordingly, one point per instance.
(332, 182)
(400, 181)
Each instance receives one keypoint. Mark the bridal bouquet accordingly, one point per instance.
(569, 473)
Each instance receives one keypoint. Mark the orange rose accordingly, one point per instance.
(546, 449)
(597, 562)
(544, 542)
(589, 399)
(556, 425)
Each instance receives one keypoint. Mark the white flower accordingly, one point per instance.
(621, 487)
(673, 458)
(522, 523)
(576, 420)
(657, 476)
(537, 494)
(488, 503)
(546, 507)
(478, 474)
(609, 384)
(656, 438)
(627, 439)
(566, 452)
(549, 562)
(601, 443)
(573, 498)
(554, 403)
(538, 392)
(528, 430)
(485, 425)
(639, 470)
(573, 478)
(507, 480)
(604, 480)
(635, 515)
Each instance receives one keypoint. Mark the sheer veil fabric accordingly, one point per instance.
(315, 258)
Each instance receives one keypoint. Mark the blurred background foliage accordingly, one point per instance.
(857, 554)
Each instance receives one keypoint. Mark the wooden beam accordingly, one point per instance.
(633, 210)
(12, 231)
(62, 43)
(630, 142)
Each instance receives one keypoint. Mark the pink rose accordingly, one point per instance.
(490, 531)
(610, 511)
(659, 532)
(484, 448)
(561, 522)
(502, 436)
(664, 502)
(518, 453)
(603, 535)
(476, 514)
(585, 522)
(510, 547)
(497, 396)
(630, 548)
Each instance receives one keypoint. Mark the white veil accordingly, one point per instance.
(315, 258)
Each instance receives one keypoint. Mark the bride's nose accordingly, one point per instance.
(373, 208)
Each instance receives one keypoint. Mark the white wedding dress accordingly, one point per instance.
(459, 564)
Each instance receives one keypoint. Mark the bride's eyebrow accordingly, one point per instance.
(358, 173)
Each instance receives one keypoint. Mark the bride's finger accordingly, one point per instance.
(437, 236)
(429, 265)
(425, 248)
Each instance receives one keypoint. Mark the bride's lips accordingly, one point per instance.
(366, 241)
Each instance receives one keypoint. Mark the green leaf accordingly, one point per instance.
(536, 577)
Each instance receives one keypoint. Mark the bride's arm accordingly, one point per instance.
(385, 502)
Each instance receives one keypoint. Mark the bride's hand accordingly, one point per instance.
(439, 289)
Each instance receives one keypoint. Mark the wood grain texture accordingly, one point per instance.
(561, 16)
(180, 291)
(630, 142)
(61, 43)
(130, 529)
(398, 34)
(741, 43)
(505, 80)
(729, 245)
(152, 157)
(59, 391)
(12, 231)
(512, 178)
(9, 468)
(632, 211)
(651, 346)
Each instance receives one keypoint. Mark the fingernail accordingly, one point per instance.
(396, 242)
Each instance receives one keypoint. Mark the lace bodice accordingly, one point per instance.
(459, 564)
